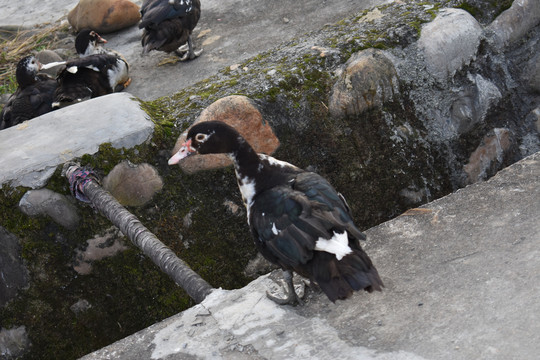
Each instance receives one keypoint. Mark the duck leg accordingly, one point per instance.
(186, 51)
(291, 295)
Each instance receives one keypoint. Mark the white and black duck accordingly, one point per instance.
(297, 218)
(96, 72)
(168, 25)
(89, 42)
(33, 97)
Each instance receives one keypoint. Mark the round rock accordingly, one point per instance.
(49, 56)
(449, 42)
(132, 184)
(368, 81)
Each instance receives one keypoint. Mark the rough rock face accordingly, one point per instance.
(241, 113)
(516, 22)
(14, 342)
(369, 80)
(104, 16)
(132, 184)
(14, 273)
(488, 155)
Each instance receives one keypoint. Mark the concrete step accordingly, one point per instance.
(462, 278)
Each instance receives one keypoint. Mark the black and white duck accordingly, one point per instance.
(33, 97)
(298, 220)
(97, 72)
(168, 25)
(89, 42)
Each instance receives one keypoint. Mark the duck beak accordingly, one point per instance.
(101, 40)
(185, 151)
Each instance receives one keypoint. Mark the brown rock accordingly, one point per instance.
(239, 112)
(491, 151)
(368, 80)
(133, 185)
(104, 16)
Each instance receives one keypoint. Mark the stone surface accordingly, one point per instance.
(104, 16)
(491, 150)
(450, 41)
(97, 248)
(49, 203)
(461, 276)
(510, 26)
(32, 150)
(80, 306)
(531, 75)
(13, 273)
(369, 79)
(14, 342)
(242, 114)
(473, 103)
(133, 184)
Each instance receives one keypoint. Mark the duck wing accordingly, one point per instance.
(287, 221)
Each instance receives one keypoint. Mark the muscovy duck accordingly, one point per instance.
(32, 98)
(168, 25)
(88, 42)
(297, 219)
(97, 71)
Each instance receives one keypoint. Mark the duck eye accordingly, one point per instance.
(201, 137)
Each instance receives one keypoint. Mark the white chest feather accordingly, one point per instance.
(247, 189)
(118, 74)
(337, 245)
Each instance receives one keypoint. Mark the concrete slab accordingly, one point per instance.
(462, 279)
(32, 150)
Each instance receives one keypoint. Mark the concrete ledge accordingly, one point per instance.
(462, 279)
(32, 150)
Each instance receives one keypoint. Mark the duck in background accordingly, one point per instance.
(168, 26)
(33, 97)
(97, 71)
(88, 42)
(297, 219)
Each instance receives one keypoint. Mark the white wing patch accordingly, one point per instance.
(275, 229)
(337, 245)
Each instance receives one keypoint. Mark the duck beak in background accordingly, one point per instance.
(99, 39)
(185, 151)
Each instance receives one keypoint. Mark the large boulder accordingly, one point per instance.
(104, 16)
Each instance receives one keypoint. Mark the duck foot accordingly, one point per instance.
(186, 51)
(291, 296)
(122, 86)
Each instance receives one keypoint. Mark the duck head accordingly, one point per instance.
(208, 137)
(27, 69)
(88, 42)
